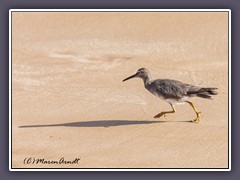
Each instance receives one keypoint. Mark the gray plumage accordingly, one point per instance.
(173, 91)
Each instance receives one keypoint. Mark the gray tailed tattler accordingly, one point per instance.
(172, 91)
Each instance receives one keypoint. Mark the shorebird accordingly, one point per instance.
(173, 92)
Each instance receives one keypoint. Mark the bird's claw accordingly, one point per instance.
(160, 115)
(197, 120)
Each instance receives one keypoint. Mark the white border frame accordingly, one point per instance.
(119, 10)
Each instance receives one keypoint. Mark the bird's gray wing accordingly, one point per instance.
(171, 89)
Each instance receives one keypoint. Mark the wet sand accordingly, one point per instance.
(68, 98)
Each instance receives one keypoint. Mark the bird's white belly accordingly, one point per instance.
(172, 101)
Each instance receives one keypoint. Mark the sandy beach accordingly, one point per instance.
(69, 101)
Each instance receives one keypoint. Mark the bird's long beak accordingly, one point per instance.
(130, 77)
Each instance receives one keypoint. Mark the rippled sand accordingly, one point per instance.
(69, 100)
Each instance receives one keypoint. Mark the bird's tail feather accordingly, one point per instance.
(204, 96)
(211, 91)
(205, 92)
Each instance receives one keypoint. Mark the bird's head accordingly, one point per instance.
(142, 73)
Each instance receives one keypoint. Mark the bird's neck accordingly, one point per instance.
(146, 80)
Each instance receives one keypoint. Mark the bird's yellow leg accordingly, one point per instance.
(196, 111)
(165, 112)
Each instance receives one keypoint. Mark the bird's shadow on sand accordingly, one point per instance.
(99, 123)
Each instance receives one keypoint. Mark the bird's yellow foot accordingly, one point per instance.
(160, 115)
(197, 120)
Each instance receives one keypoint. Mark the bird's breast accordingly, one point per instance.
(154, 91)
